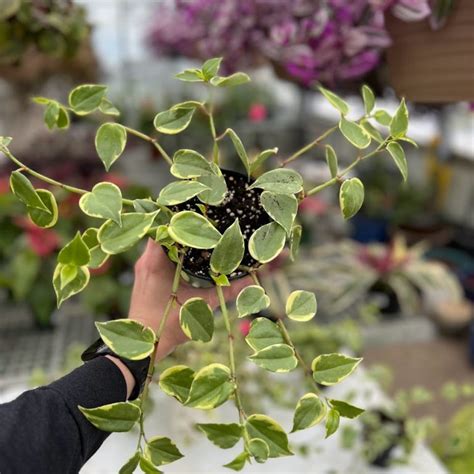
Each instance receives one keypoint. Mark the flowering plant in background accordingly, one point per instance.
(216, 225)
(327, 41)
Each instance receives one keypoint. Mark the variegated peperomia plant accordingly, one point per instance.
(216, 225)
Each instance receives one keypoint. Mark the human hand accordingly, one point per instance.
(154, 274)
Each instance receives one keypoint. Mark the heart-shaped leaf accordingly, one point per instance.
(75, 252)
(147, 466)
(210, 68)
(354, 133)
(301, 305)
(240, 149)
(372, 131)
(193, 230)
(281, 208)
(176, 382)
(309, 411)
(218, 190)
(86, 98)
(351, 197)
(40, 217)
(398, 155)
(130, 466)
(281, 181)
(63, 292)
(238, 463)
(127, 338)
(115, 239)
(263, 333)
(252, 300)
(263, 427)
(399, 122)
(331, 160)
(346, 409)
(190, 164)
(161, 450)
(235, 79)
(107, 108)
(98, 256)
(261, 158)
(329, 369)
(259, 450)
(383, 117)
(190, 75)
(197, 320)
(338, 103)
(173, 121)
(267, 242)
(276, 358)
(332, 422)
(223, 435)
(369, 99)
(212, 386)
(110, 142)
(115, 417)
(23, 189)
(229, 251)
(104, 202)
(180, 191)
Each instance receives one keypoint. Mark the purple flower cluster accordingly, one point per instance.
(310, 40)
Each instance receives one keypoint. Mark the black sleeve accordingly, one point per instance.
(42, 431)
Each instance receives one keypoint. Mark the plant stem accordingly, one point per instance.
(286, 336)
(67, 187)
(238, 401)
(308, 147)
(151, 367)
(212, 125)
(339, 177)
(151, 140)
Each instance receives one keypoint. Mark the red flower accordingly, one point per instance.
(313, 206)
(116, 179)
(257, 113)
(244, 327)
(104, 268)
(43, 242)
(4, 186)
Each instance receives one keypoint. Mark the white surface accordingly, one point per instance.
(171, 419)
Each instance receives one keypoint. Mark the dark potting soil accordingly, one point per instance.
(241, 203)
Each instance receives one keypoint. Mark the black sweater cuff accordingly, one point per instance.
(98, 382)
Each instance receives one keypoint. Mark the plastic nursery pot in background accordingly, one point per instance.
(241, 203)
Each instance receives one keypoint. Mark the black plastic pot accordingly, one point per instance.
(240, 203)
(383, 458)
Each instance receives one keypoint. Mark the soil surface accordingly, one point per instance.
(241, 203)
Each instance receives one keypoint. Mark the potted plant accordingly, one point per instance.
(354, 272)
(389, 433)
(217, 225)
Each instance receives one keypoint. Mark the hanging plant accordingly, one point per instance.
(52, 27)
(216, 225)
(305, 41)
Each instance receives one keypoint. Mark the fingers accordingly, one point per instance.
(153, 259)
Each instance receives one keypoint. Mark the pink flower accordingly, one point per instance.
(43, 242)
(257, 113)
(411, 10)
(313, 206)
(244, 327)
